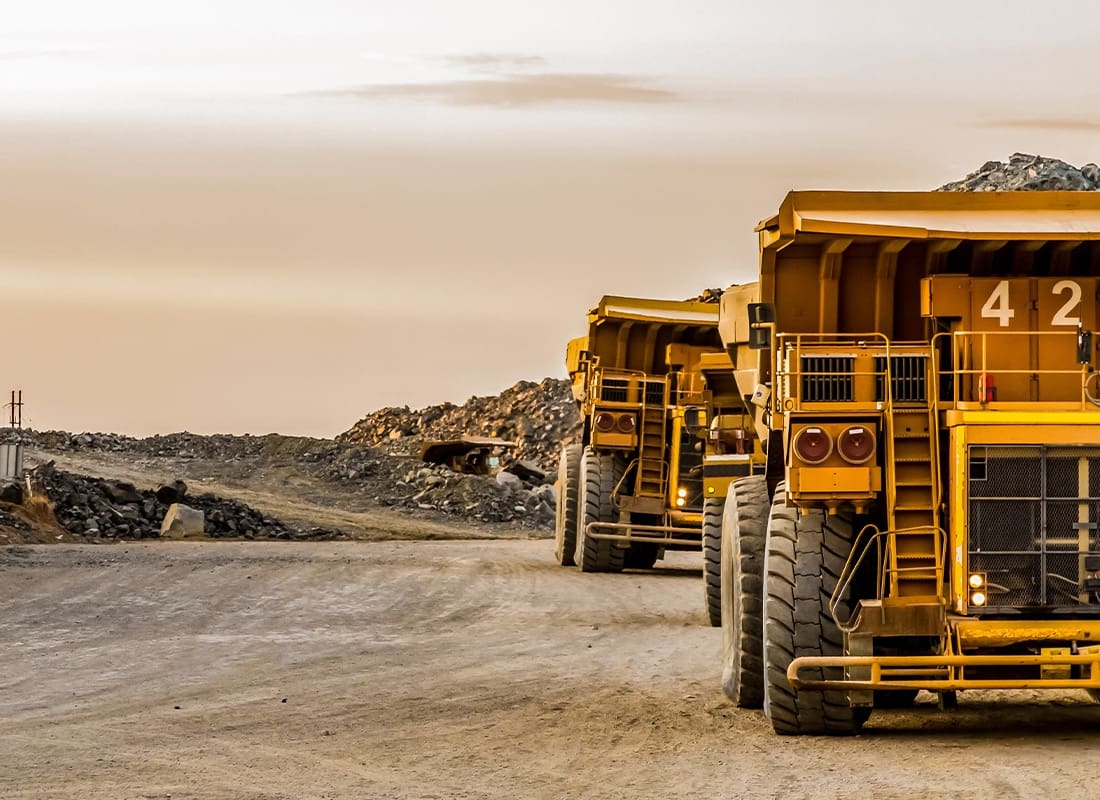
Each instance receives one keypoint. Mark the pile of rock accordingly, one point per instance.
(505, 497)
(1024, 173)
(99, 509)
(520, 495)
(539, 417)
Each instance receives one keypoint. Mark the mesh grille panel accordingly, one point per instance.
(1032, 517)
(613, 390)
(908, 378)
(655, 392)
(827, 379)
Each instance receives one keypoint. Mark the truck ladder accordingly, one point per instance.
(651, 445)
(913, 561)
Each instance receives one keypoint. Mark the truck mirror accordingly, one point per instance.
(761, 323)
(761, 313)
(1084, 346)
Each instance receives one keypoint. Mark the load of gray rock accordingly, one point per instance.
(1028, 173)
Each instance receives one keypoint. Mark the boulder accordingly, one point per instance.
(169, 493)
(528, 471)
(182, 522)
(124, 493)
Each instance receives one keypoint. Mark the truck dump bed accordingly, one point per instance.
(632, 333)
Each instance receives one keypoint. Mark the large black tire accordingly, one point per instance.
(805, 554)
(599, 474)
(712, 559)
(569, 486)
(744, 523)
(641, 555)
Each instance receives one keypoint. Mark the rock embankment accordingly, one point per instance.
(101, 509)
(538, 417)
(356, 476)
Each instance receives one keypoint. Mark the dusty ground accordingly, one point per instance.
(436, 670)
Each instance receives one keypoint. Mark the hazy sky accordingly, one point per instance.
(254, 216)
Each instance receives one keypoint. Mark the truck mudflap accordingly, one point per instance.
(1053, 668)
(626, 533)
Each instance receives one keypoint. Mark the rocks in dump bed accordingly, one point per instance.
(182, 522)
(1025, 172)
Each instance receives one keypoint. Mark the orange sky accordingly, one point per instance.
(250, 230)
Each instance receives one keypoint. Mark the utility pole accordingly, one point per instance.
(16, 409)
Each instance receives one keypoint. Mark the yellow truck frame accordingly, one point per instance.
(633, 487)
(926, 385)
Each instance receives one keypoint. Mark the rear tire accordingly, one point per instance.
(565, 525)
(805, 554)
(712, 559)
(600, 472)
(744, 523)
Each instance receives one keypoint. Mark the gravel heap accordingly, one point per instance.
(95, 508)
(539, 417)
(369, 475)
(1027, 173)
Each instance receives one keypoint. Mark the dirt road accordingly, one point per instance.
(439, 670)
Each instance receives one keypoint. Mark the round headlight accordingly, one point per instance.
(976, 581)
(626, 423)
(813, 445)
(604, 421)
(977, 599)
(856, 444)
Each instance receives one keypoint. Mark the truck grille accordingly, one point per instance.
(613, 390)
(908, 379)
(1033, 514)
(827, 379)
(654, 393)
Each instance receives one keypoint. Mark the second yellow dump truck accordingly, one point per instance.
(633, 488)
(922, 369)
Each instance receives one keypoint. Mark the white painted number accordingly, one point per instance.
(997, 307)
(1062, 316)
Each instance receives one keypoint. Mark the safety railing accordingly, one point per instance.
(974, 367)
(618, 386)
(690, 388)
(853, 368)
(885, 545)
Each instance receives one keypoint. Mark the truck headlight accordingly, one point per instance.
(813, 444)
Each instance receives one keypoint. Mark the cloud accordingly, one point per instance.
(20, 55)
(512, 91)
(1046, 123)
(494, 62)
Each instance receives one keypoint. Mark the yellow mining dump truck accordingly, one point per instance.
(633, 487)
(930, 517)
